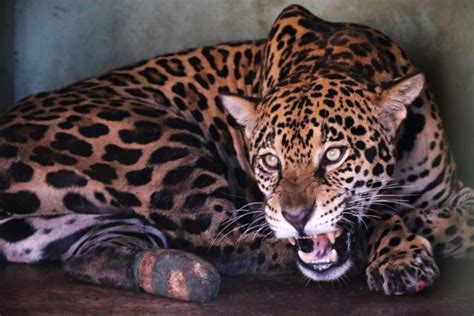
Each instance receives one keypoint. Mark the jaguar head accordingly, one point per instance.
(320, 151)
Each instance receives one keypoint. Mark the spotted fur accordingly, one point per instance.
(173, 152)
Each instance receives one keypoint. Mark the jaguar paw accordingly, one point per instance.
(403, 272)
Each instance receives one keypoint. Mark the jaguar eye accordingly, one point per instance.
(271, 161)
(334, 154)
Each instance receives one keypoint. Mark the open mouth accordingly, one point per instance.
(321, 253)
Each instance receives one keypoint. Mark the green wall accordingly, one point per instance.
(60, 41)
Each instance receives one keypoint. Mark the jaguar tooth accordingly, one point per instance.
(292, 241)
(331, 237)
(333, 256)
(305, 256)
(338, 232)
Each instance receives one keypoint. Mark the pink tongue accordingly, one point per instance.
(321, 245)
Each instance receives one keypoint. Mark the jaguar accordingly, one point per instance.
(319, 148)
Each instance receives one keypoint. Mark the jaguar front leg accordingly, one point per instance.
(450, 229)
(400, 262)
(133, 256)
(121, 251)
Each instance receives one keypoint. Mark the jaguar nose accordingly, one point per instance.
(298, 218)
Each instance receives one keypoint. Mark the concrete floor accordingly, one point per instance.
(36, 290)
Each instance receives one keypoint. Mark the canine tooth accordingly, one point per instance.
(331, 237)
(338, 232)
(333, 256)
(306, 257)
(292, 241)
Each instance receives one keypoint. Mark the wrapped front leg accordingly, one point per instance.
(133, 257)
(176, 274)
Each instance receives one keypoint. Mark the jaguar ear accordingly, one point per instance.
(242, 109)
(396, 96)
